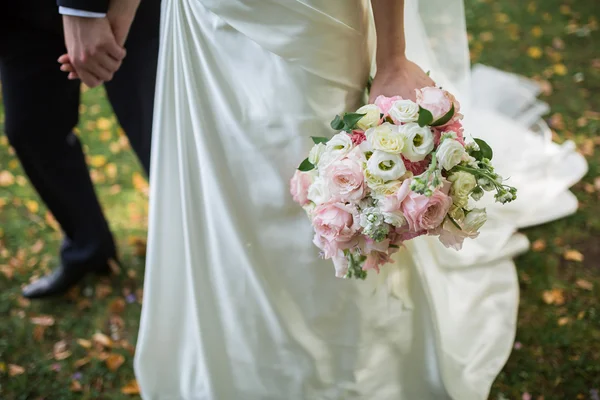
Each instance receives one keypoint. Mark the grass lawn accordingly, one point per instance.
(82, 348)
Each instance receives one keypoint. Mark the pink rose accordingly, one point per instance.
(335, 227)
(299, 185)
(417, 167)
(450, 236)
(437, 101)
(425, 213)
(345, 180)
(404, 233)
(393, 202)
(357, 137)
(385, 103)
(453, 126)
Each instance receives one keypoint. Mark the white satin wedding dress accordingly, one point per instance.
(237, 304)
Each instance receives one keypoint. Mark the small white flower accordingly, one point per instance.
(395, 218)
(337, 147)
(386, 166)
(371, 118)
(419, 141)
(386, 137)
(450, 153)
(404, 111)
(315, 153)
(318, 192)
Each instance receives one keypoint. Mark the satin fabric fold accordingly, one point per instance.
(237, 304)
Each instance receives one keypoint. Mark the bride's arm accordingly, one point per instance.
(396, 75)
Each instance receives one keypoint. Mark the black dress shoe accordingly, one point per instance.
(60, 281)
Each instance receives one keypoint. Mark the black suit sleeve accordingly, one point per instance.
(99, 6)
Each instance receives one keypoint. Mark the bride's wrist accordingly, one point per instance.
(391, 63)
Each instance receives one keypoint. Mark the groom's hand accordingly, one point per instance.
(92, 48)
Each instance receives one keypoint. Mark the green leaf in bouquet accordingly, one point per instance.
(337, 123)
(319, 139)
(484, 149)
(306, 166)
(447, 117)
(350, 120)
(425, 117)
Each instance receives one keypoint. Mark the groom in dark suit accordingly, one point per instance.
(41, 108)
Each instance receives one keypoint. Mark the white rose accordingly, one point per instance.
(386, 137)
(379, 192)
(386, 166)
(419, 141)
(450, 153)
(395, 218)
(404, 111)
(463, 184)
(337, 147)
(474, 221)
(371, 118)
(315, 153)
(318, 192)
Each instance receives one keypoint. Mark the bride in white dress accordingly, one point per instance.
(237, 304)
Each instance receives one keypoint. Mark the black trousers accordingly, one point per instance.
(41, 110)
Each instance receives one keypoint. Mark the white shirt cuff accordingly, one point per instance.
(80, 13)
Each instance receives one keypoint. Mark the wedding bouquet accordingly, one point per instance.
(396, 170)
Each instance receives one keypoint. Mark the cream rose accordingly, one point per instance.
(403, 111)
(386, 137)
(386, 166)
(463, 184)
(371, 118)
(419, 141)
(450, 153)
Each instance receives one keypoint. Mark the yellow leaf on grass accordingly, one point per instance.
(102, 339)
(563, 321)
(105, 136)
(535, 52)
(82, 361)
(97, 161)
(75, 386)
(554, 296)
(43, 320)
(536, 31)
(114, 361)
(139, 183)
(32, 206)
(6, 178)
(582, 283)
(38, 333)
(560, 69)
(573, 255)
(86, 344)
(539, 245)
(131, 388)
(104, 123)
(14, 370)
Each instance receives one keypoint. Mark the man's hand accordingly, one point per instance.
(93, 51)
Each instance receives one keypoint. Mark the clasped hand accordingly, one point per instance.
(94, 53)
